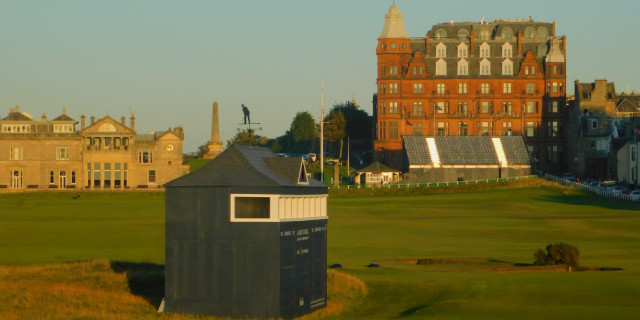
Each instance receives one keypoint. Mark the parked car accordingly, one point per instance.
(607, 185)
(634, 195)
(569, 176)
(590, 182)
(617, 189)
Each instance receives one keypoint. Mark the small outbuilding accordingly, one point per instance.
(246, 237)
(377, 173)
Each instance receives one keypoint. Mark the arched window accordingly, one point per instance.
(542, 33)
(485, 35)
(529, 33)
(441, 34)
(507, 33)
(463, 33)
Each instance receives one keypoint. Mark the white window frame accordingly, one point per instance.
(463, 50)
(485, 67)
(16, 153)
(441, 67)
(441, 50)
(485, 50)
(463, 67)
(63, 153)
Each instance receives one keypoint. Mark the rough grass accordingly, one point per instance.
(102, 289)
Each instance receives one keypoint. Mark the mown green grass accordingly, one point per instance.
(476, 226)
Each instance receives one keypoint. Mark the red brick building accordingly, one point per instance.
(505, 77)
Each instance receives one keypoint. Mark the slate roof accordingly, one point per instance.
(377, 167)
(246, 166)
(16, 116)
(63, 117)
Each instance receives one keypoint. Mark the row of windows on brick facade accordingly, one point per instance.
(482, 107)
(389, 130)
(145, 156)
(463, 69)
(485, 88)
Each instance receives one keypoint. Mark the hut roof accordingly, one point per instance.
(249, 166)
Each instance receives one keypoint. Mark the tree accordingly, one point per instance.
(557, 253)
(335, 128)
(303, 127)
(248, 138)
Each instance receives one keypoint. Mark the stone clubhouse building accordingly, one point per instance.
(105, 154)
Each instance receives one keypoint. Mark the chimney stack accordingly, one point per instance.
(82, 119)
(133, 121)
(93, 120)
(122, 120)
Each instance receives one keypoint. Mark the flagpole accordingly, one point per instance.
(322, 134)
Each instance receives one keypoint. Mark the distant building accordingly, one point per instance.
(500, 78)
(105, 155)
(602, 132)
(377, 174)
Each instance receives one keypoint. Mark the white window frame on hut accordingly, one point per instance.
(284, 207)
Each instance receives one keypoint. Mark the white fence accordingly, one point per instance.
(596, 190)
(430, 184)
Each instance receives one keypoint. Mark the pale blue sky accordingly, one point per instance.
(169, 60)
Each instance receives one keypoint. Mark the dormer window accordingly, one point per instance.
(463, 50)
(507, 50)
(529, 33)
(485, 67)
(440, 34)
(484, 50)
(441, 67)
(542, 33)
(441, 50)
(485, 35)
(463, 67)
(463, 34)
(507, 33)
(507, 67)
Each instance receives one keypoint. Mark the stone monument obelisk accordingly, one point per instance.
(215, 145)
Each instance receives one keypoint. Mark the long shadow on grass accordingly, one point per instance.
(592, 200)
(145, 279)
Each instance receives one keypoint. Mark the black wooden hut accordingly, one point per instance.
(246, 236)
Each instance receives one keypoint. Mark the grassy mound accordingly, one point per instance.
(102, 289)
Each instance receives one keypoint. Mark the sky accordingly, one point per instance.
(168, 61)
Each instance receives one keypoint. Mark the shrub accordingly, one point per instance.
(557, 253)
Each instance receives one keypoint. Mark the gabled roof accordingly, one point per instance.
(63, 117)
(377, 167)
(247, 166)
(626, 106)
(113, 126)
(16, 116)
